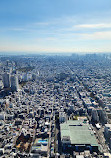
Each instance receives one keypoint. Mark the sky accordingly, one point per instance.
(37, 26)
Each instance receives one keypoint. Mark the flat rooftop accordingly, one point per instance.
(79, 131)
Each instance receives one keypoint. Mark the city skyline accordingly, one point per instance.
(55, 26)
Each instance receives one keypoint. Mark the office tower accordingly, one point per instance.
(14, 83)
(6, 80)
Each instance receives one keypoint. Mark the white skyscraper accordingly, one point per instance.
(6, 80)
(14, 83)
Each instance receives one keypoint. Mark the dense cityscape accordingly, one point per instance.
(55, 106)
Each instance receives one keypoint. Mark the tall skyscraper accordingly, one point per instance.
(14, 83)
(6, 80)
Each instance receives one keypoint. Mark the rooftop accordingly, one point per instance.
(79, 131)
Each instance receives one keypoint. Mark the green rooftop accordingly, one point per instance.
(79, 132)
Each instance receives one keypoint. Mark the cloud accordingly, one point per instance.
(93, 26)
(105, 35)
(46, 39)
(41, 23)
(17, 29)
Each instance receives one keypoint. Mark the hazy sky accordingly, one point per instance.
(55, 25)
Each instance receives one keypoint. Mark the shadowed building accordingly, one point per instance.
(6, 80)
(77, 136)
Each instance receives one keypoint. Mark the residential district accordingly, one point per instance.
(55, 106)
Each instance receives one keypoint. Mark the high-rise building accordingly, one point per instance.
(14, 83)
(6, 80)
